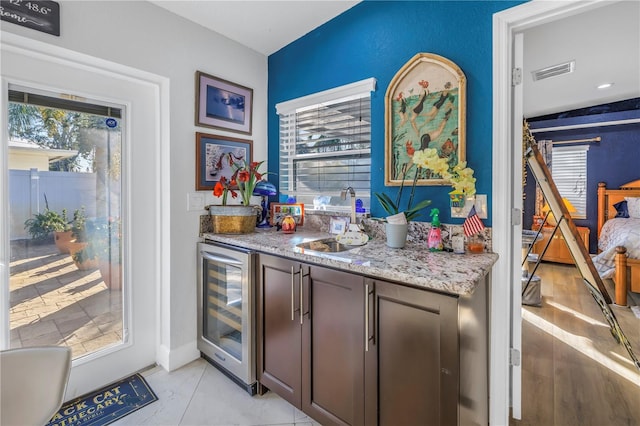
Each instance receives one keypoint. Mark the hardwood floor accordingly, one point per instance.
(573, 370)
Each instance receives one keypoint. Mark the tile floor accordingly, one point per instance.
(54, 303)
(199, 394)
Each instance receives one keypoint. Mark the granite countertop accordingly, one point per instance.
(457, 274)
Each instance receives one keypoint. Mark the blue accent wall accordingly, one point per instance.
(375, 39)
(615, 160)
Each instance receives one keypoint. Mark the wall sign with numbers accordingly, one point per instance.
(38, 15)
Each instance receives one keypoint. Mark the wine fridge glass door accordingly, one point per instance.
(223, 303)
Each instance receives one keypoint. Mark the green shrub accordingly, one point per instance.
(79, 225)
(41, 225)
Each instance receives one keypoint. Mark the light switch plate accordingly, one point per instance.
(195, 201)
(480, 203)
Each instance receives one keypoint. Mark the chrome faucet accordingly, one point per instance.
(352, 192)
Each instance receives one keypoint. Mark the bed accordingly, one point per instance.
(618, 240)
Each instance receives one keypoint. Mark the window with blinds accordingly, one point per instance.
(569, 171)
(325, 145)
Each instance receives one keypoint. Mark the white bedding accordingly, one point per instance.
(617, 232)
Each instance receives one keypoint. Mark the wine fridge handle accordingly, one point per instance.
(219, 258)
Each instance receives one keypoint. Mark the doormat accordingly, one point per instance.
(106, 405)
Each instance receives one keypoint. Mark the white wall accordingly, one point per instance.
(141, 35)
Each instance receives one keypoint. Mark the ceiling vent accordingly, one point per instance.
(554, 70)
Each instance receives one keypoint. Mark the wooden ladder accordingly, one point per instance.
(578, 251)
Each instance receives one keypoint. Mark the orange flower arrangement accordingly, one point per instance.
(244, 179)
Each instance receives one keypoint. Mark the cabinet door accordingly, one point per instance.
(412, 363)
(278, 327)
(333, 346)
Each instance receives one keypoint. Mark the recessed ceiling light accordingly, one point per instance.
(605, 85)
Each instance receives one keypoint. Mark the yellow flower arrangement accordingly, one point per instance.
(461, 176)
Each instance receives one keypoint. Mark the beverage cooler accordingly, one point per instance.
(225, 311)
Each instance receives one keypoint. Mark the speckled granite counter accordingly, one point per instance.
(457, 274)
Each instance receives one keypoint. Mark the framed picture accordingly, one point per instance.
(222, 104)
(280, 210)
(425, 107)
(210, 153)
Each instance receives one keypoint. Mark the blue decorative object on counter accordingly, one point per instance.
(264, 189)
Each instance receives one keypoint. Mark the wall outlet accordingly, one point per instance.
(195, 201)
(480, 201)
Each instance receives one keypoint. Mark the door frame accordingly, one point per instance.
(160, 191)
(506, 200)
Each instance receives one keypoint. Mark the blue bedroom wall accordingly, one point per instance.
(614, 160)
(375, 39)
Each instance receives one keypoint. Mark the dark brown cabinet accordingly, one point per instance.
(367, 351)
(412, 361)
(314, 360)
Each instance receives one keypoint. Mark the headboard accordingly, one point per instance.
(608, 197)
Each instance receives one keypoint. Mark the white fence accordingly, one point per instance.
(63, 190)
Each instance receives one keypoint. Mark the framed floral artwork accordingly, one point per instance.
(222, 104)
(425, 110)
(211, 150)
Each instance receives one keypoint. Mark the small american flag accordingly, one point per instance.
(472, 224)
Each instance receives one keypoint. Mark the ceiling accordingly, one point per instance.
(604, 42)
(265, 26)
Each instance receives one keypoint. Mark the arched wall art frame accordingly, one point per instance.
(425, 107)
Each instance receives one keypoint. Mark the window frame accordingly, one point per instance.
(579, 199)
(289, 110)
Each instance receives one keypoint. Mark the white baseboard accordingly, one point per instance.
(175, 358)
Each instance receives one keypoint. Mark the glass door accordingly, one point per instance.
(222, 323)
(85, 121)
(65, 213)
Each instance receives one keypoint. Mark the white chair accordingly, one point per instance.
(32, 384)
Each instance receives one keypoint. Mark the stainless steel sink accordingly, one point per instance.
(326, 245)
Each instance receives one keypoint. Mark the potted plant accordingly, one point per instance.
(42, 225)
(78, 232)
(236, 219)
(393, 207)
(79, 225)
(85, 258)
(105, 240)
(396, 230)
(64, 236)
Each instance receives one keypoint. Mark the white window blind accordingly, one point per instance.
(569, 171)
(325, 143)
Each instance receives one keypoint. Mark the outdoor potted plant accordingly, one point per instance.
(85, 258)
(64, 236)
(236, 219)
(105, 243)
(42, 225)
(78, 232)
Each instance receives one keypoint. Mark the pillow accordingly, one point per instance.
(633, 205)
(621, 209)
